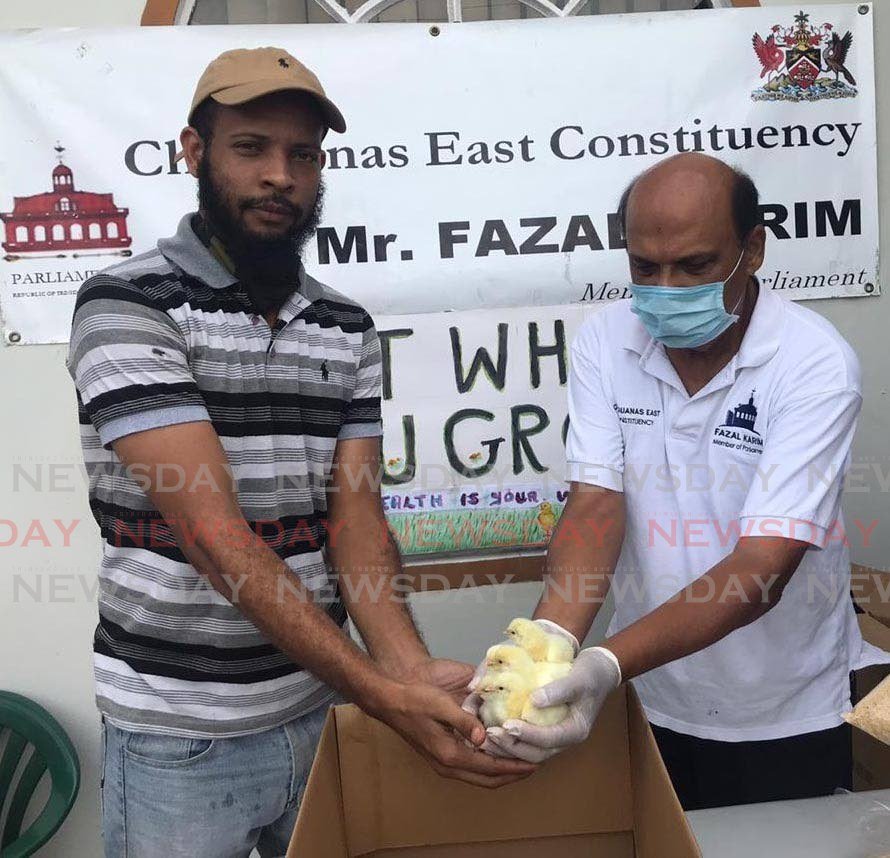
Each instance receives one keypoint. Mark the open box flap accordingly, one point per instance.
(395, 799)
(871, 591)
(874, 632)
(660, 827)
(321, 833)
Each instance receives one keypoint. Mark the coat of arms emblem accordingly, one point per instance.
(804, 62)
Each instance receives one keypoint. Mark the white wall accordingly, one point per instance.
(45, 642)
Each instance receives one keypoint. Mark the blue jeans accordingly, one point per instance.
(173, 797)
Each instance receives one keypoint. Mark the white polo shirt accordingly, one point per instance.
(761, 450)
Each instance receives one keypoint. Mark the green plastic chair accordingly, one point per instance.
(23, 723)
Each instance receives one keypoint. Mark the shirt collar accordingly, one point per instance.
(761, 340)
(188, 252)
(764, 334)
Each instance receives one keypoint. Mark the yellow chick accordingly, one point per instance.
(541, 645)
(547, 519)
(504, 697)
(508, 657)
(550, 671)
(511, 675)
(547, 716)
(504, 657)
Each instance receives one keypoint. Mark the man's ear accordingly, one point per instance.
(192, 148)
(756, 247)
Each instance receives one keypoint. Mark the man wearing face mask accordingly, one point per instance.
(710, 431)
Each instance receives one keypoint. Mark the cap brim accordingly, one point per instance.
(245, 92)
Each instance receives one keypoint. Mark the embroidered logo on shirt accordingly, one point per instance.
(738, 432)
(744, 415)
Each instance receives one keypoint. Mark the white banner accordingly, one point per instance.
(482, 166)
(470, 206)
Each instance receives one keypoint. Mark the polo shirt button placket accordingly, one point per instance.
(270, 351)
(683, 434)
(687, 422)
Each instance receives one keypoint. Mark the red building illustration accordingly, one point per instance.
(65, 219)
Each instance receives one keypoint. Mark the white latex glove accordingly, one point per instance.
(557, 629)
(594, 676)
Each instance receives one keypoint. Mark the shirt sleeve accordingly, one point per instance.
(594, 443)
(129, 362)
(362, 418)
(806, 454)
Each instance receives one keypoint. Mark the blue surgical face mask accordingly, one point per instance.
(684, 317)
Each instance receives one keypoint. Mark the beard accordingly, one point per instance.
(267, 266)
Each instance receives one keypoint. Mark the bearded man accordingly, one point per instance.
(229, 410)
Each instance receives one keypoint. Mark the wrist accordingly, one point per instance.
(609, 656)
(403, 667)
(382, 698)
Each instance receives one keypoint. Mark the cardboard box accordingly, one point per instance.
(877, 634)
(871, 591)
(370, 794)
(871, 758)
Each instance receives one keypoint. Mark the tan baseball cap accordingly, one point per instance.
(235, 77)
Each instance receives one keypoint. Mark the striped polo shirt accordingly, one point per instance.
(171, 337)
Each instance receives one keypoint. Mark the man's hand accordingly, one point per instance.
(594, 676)
(434, 725)
(451, 676)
